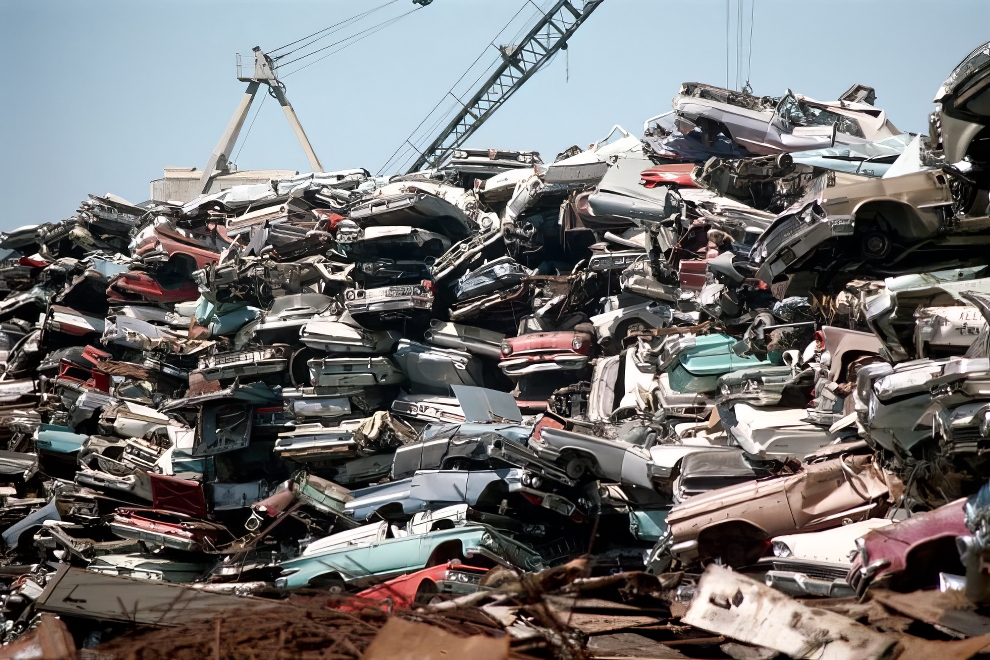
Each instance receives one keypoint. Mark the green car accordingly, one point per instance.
(381, 551)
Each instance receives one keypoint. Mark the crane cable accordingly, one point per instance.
(740, 31)
(335, 25)
(367, 32)
(331, 29)
(250, 126)
(740, 18)
(727, 40)
(436, 124)
(752, 17)
(450, 92)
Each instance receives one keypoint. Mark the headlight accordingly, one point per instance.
(780, 549)
(577, 343)
(460, 154)
(863, 388)
(349, 294)
(888, 386)
(872, 405)
(506, 348)
(535, 481)
(487, 539)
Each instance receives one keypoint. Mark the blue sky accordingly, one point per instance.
(100, 95)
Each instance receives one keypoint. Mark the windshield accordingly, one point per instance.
(795, 113)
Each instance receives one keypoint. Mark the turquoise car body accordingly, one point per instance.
(390, 557)
(648, 525)
(59, 439)
(698, 368)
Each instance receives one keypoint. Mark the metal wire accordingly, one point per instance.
(752, 16)
(739, 19)
(346, 20)
(250, 126)
(450, 92)
(366, 31)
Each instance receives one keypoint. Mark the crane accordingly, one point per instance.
(518, 64)
(263, 72)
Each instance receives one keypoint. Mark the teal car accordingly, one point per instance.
(695, 364)
(648, 525)
(381, 551)
(59, 439)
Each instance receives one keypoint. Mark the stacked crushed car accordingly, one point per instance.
(755, 338)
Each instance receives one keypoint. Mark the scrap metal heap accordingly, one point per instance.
(722, 390)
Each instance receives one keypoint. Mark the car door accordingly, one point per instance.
(385, 557)
(441, 488)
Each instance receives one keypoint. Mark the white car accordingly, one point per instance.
(765, 125)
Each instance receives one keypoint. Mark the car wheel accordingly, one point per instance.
(426, 592)
(333, 584)
(575, 468)
(876, 245)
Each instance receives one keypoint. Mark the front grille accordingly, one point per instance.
(819, 571)
(961, 434)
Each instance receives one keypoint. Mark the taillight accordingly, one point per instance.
(533, 499)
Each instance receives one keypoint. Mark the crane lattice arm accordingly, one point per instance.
(518, 64)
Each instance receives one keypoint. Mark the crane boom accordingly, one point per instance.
(518, 64)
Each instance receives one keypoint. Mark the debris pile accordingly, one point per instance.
(720, 390)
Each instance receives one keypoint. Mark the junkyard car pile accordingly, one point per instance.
(754, 338)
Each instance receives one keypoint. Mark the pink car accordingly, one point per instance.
(545, 351)
(186, 253)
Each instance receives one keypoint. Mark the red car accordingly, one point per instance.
(678, 174)
(82, 369)
(692, 274)
(911, 553)
(546, 422)
(178, 495)
(72, 322)
(34, 261)
(138, 286)
(406, 591)
(545, 351)
(169, 529)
